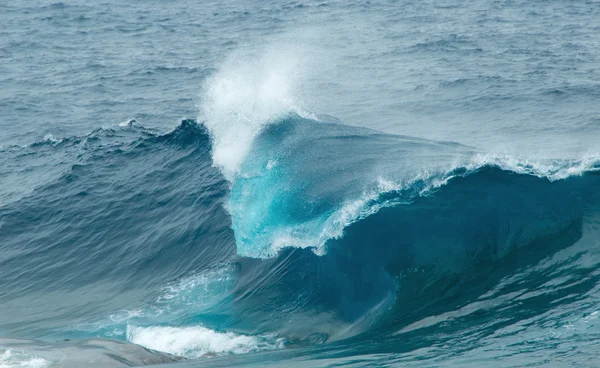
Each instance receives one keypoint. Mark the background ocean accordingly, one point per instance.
(299, 184)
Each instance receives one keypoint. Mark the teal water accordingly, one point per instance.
(299, 184)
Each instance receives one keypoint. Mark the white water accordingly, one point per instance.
(198, 341)
(249, 91)
(13, 359)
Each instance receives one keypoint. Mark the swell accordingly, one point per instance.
(100, 222)
(26, 168)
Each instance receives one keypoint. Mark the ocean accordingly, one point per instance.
(299, 183)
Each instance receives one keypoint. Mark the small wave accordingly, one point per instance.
(128, 123)
(126, 131)
(50, 138)
(56, 158)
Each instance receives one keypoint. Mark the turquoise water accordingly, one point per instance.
(299, 184)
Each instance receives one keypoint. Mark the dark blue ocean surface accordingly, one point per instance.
(299, 184)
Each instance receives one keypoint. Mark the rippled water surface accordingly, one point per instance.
(305, 183)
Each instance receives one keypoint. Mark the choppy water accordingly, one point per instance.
(300, 183)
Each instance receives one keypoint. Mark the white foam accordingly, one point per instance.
(12, 359)
(128, 123)
(550, 169)
(248, 92)
(198, 341)
(52, 140)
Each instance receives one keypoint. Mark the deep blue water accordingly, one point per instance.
(307, 183)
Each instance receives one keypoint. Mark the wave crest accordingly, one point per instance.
(247, 93)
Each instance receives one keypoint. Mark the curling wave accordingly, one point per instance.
(305, 181)
(324, 233)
